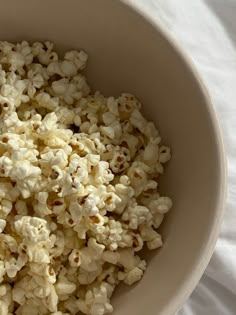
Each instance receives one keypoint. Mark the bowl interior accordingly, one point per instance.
(128, 54)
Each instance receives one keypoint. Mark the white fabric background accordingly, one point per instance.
(206, 30)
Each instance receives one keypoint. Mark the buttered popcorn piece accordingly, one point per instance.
(78, 185)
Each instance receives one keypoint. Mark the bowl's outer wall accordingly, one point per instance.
(129, 54)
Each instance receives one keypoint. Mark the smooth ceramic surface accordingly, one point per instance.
(129, 53)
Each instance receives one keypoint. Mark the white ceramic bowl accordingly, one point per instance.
(130, 53)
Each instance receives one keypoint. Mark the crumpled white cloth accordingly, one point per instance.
(206, 31)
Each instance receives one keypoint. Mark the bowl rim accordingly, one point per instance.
(201, 263)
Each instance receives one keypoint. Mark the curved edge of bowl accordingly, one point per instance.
(200, 265)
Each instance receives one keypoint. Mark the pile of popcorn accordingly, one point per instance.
(78, 186)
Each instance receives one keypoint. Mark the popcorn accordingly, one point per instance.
(87, 277)
(111, 257)
(65, 116)
(2, 225)
(18, 295)
(64, 287)
(111, 201)
(2, 77)
(68, 68)
(164, 154)
(21, 207)
(108, 118)
(5, 207)
(89, 255)
(41, 292)
(108, 131)
(5, 299)
(70, 305)
(163, 204)
(152, 238)
(49, 123)
(41, 207)
(78, 58)
(136, 215)
(78, 185)
(11, 121)
(53, 158)
(97, 300)
(32, 229)
(52, 300)
(63, 68)
(44, 53)
(3, 308)
(74, 258)
(120, 160)
(103, 174)
(38, 254)
(155, 243)
(138, 121)
(25, 51)
(12, 266)
(125, 192)
(45, 101)
(138, 242)
(133, 276)
(16, 60)
(2, 271)
(67, 90)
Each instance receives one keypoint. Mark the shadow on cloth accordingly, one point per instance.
(225, 11)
